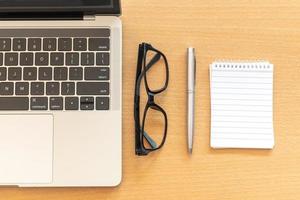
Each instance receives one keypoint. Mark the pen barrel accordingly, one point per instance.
(191, 95)
(190, 119)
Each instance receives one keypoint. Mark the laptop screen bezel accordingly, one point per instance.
(115, 9)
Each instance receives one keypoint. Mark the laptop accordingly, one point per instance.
(60, 93)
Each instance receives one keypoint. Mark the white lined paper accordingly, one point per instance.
(241, 105)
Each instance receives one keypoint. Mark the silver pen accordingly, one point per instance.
(191, 96)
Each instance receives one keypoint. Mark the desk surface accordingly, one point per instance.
(237, 29)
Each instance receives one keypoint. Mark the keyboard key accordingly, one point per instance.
(87, 103)
(80, 44)
(71, 103)
(30, 73)
(45, 73)
(15, 73)
(72, 59)
(96, 73)
(68, 88)
(22, 88)
(92, 88)
(87, 59)
(56, 103)
(57, 59)
(14, 103)
(60, 73)
(75, 73)
(26, 59)
(6, 88)
(1, 58)
(102, 59)
(34, 44)
(5, 44)
(19, 44)
(39, 103)
(52, 88)
(49, 44)
(11, 59)
(64, 44)
(37, 88)
(102, 103)
(99, 44)
(42, 59)
(2, 73)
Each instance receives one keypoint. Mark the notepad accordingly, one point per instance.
(241, 105)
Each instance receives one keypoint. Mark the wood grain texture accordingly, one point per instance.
(218, 29)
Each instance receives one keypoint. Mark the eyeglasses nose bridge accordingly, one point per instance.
(150, 98)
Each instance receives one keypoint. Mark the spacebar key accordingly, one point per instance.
(14, 103)
(93, 88)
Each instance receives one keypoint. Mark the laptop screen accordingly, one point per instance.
(92, 6)
(34, 3)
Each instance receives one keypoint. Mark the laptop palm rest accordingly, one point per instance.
(26, 149)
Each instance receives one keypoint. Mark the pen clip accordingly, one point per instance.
(191, 69)
(195, 66)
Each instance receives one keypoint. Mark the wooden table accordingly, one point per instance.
(218, 29)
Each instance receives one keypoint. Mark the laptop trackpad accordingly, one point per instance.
(26, 149)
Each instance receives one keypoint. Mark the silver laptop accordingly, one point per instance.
(60, 93)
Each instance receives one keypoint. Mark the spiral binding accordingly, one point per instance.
(242, 65)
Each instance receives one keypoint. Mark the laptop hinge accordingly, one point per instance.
(41, 16)
(89, 17)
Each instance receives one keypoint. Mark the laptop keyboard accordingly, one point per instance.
(47, 70)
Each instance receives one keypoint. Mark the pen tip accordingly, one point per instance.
(190, 150)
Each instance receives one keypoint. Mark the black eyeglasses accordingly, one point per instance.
(152, 67)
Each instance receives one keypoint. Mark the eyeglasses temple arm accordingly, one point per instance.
(150, 141)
